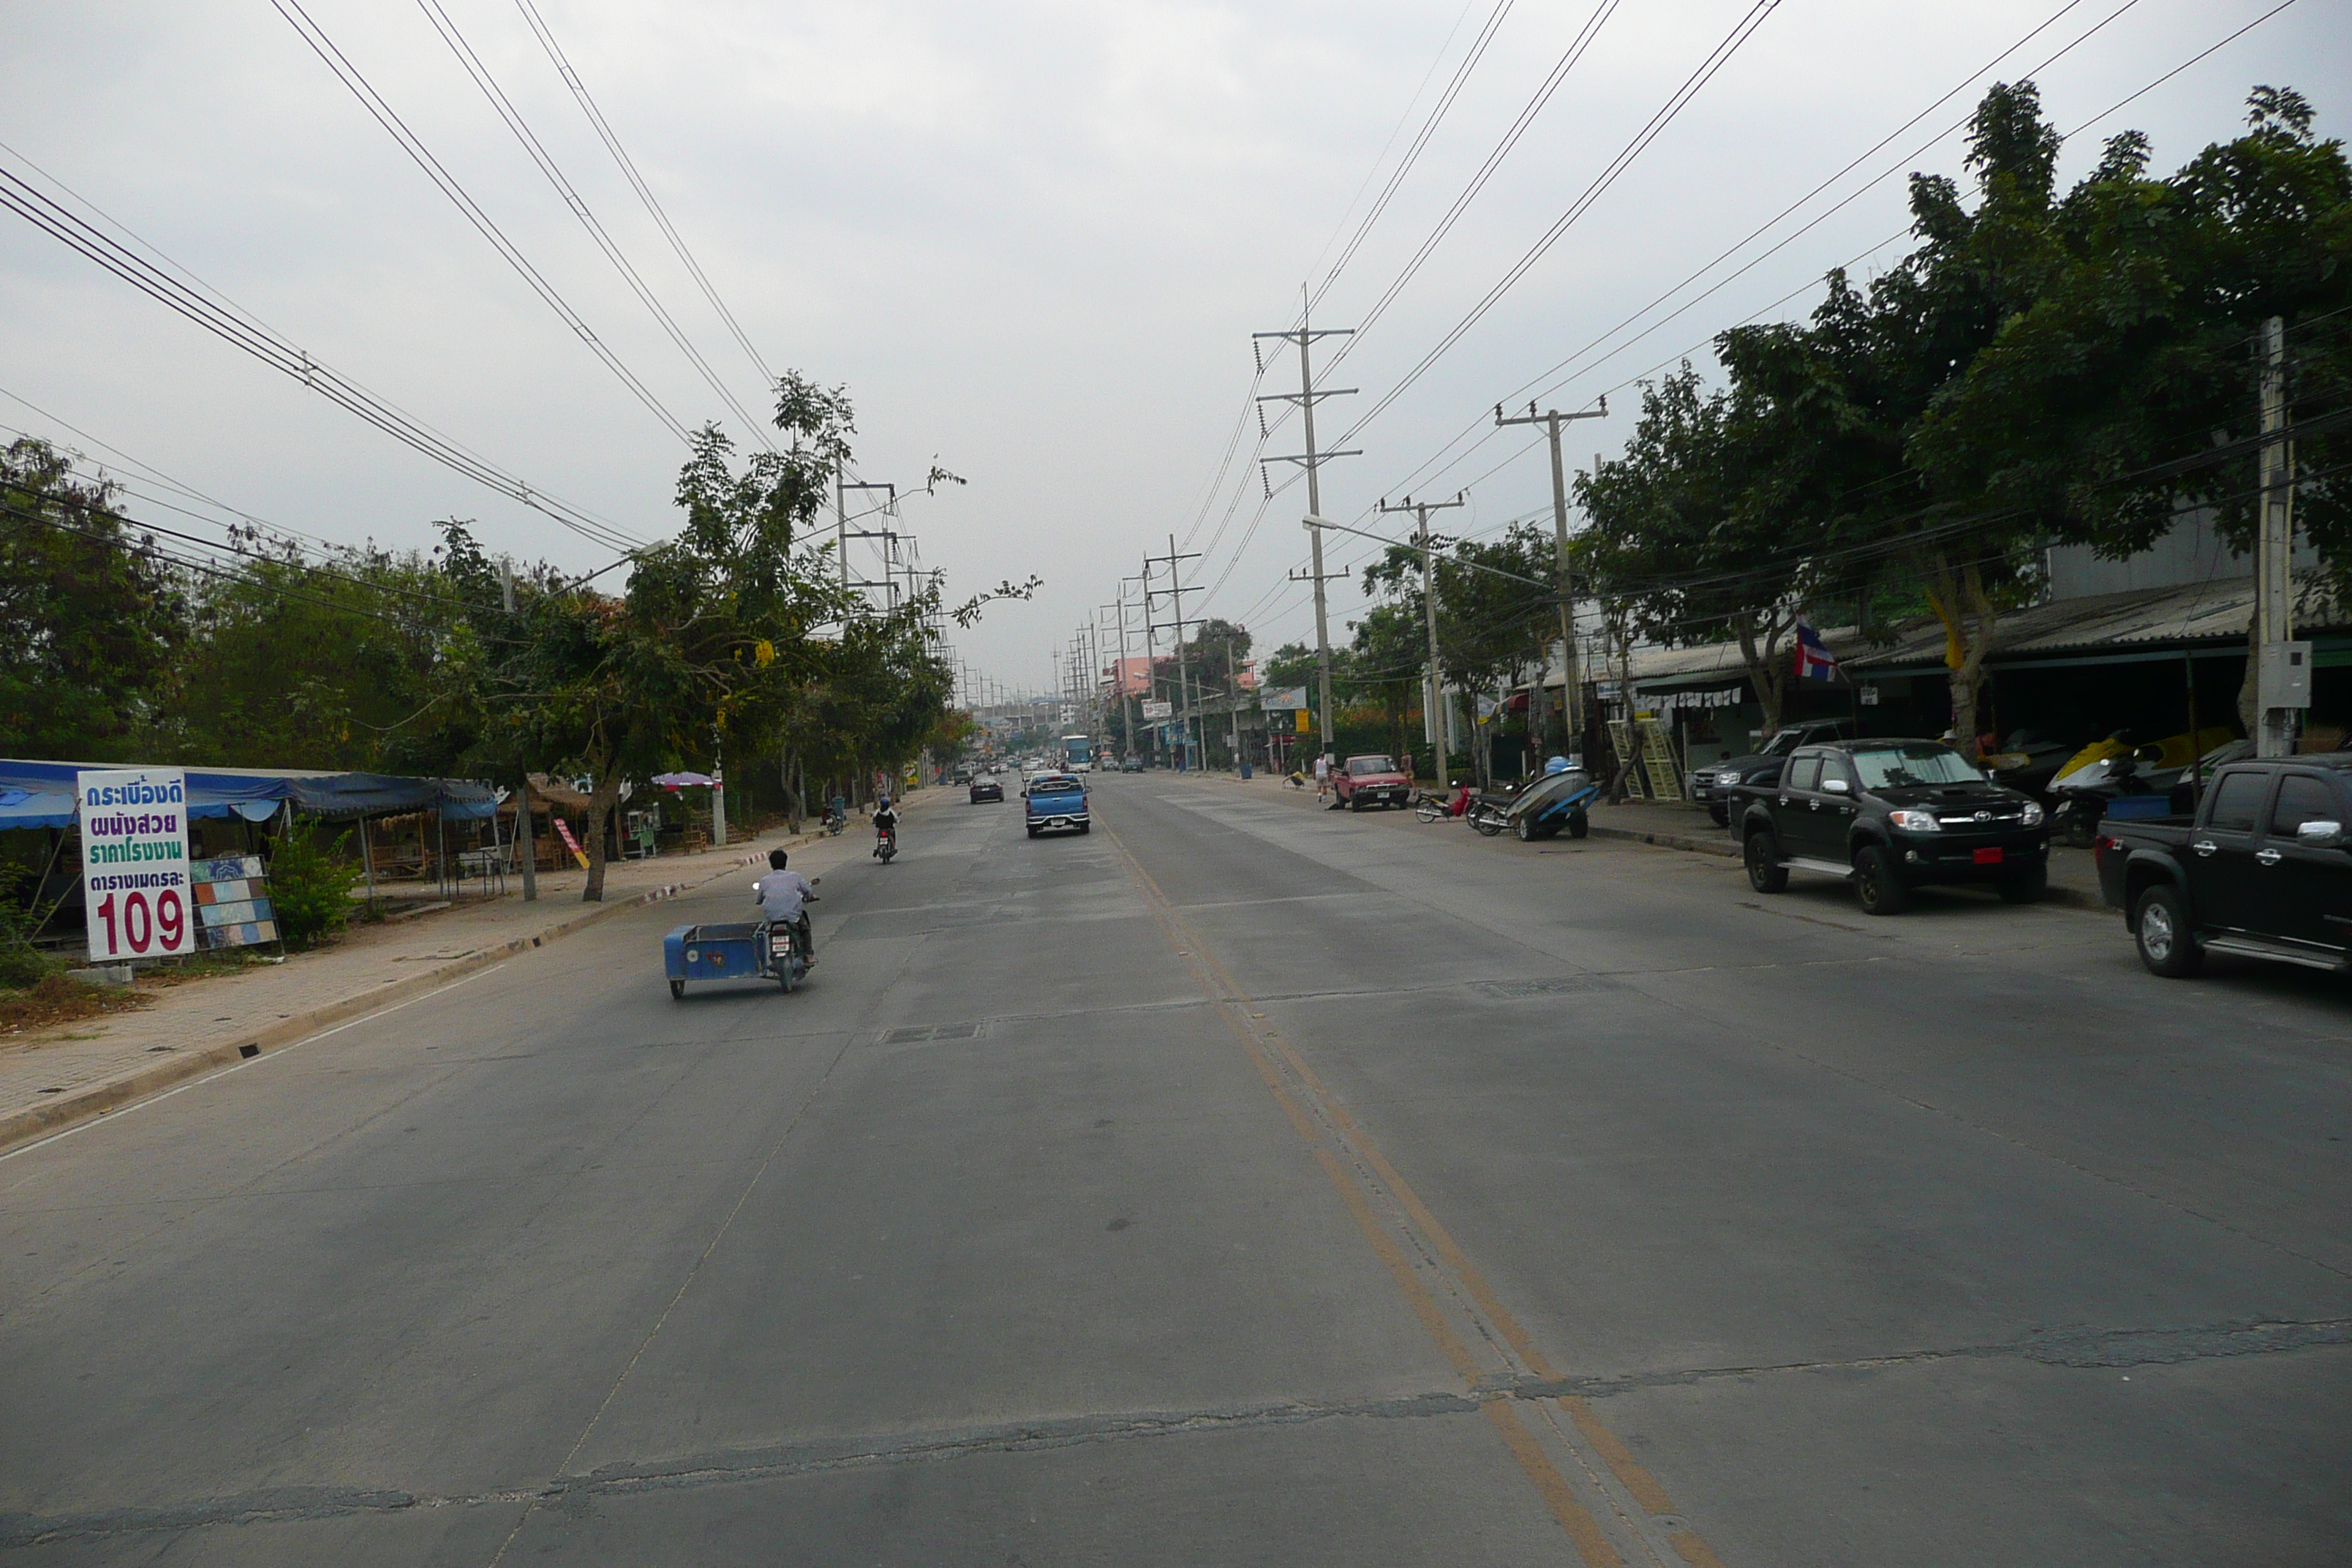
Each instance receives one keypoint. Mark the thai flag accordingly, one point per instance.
(1814, 662)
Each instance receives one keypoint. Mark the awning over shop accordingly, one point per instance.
(41, 793)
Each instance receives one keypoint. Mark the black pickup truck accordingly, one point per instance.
(1711, 784)
(2263, 869)
(1892, 815)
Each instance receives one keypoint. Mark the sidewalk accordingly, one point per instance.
(56, 1078)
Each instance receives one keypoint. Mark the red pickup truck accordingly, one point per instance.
(1370, 781)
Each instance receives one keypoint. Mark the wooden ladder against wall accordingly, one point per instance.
(1658, 761)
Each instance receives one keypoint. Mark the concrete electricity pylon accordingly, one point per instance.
(1175, 591)
(843, 533)
(1435, 724)
(1305, 398)
(1571, 688)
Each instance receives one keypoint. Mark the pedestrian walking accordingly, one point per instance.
(1322, 775)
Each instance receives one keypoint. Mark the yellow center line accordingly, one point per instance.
(1250, 1029)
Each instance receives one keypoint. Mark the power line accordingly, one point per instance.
(382, 111)
(636, 182)
(1412, 153)
(213, 312)
(540, 155)
(1424, 471)
(1667, 113)
(1404, 118)
(1502, 149)
(1732, 249)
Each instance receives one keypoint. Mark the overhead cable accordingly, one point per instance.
(1667, 113)
(1481, 424)
(206, 309)
(539, 154)
(1412, 152)
(1502, 149)
(383, 115)
(604, 133)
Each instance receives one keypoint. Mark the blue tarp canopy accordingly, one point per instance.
(41, 793)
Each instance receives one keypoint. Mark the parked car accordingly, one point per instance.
(1712, 785)
(986, 788)
(1370, 780)
(2263, 869)
(1057, 801)
(1891, 815)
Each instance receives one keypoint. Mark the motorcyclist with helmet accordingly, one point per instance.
(886, 825)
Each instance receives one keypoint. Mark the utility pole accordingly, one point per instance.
(1571, 688)
(1126, 697)
(1306, 397)
(1435, 724)
(843, 533)
(1176, 590)
(2283, 667)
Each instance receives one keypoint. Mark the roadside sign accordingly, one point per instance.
(134, 863)
(232, 901)
(1155, 709)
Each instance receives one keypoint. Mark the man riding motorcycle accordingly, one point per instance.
(886, 825)
(783, 897)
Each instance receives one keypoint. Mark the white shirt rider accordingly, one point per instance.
(781, 895)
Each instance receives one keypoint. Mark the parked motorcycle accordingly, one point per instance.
(2027, 762)
(2123, 779)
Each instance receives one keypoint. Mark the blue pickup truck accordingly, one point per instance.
(1057, 800)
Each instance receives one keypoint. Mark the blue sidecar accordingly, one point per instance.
(748, 951)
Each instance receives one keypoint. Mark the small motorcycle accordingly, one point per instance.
(834, 821)
(886, 845)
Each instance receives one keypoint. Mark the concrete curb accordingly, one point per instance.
(1667, 841)
(87, 1104)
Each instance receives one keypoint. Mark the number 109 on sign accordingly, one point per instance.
(134, 863)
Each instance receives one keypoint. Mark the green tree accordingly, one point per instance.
(2124, 391)
(92, 613)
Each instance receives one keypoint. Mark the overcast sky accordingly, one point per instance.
(1033, 239)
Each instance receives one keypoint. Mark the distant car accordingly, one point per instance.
(986, 789)
(961, 775)
(1057, 801)
(1372, 779)
(1131, 764)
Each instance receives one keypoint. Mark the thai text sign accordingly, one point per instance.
(134, 863)
(1156, 708)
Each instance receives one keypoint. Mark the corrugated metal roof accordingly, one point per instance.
(2140, 619)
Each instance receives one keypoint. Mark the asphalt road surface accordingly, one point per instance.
(1239, 1184)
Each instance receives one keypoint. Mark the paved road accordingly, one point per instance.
(1236, 1184)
